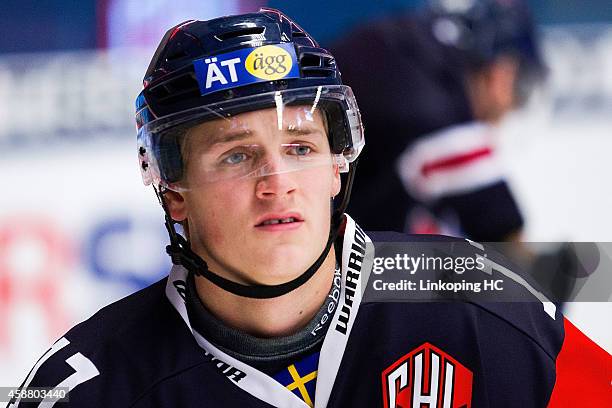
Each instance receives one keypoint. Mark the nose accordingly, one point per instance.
(278, 182)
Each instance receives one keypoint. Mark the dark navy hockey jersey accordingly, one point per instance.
(143, 352)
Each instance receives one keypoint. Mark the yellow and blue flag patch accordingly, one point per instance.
(301, 378)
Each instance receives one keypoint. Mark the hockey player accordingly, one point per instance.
(452, 70)
(448, 74)
(244, 130)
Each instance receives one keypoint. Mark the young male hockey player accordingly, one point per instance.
(244, 129)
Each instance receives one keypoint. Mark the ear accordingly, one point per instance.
(176, 205)
(336, 182)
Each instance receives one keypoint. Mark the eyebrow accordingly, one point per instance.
(228, 137)
(240, 134)
(303, 130)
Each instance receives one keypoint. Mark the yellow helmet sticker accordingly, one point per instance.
(269, 62)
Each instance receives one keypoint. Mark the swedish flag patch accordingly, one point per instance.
(301, 378)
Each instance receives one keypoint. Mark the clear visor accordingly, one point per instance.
(255, 144)
(290, 133)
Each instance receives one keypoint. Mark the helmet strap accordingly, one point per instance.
(181, 253)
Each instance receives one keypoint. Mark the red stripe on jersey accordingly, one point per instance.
(584, 372)
(455, 161)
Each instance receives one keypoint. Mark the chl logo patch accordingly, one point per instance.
(427, 377)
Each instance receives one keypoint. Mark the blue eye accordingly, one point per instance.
(235, 158)
(300, 150)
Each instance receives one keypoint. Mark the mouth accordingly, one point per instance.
(279, 222)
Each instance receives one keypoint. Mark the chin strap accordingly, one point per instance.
(181, 253)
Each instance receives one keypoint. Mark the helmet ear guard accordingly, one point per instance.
(168, 149)
(184, 86)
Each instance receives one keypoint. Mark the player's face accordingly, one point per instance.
(491, 90)
(266, 226)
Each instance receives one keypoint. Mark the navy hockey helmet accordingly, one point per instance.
(204, 70)
(217, 69)
(483, 30)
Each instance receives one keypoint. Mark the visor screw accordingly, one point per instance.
(142, 151)
(145, 165)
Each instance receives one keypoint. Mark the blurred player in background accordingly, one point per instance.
(433, 86)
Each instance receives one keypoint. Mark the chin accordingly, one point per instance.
(284, 264)
(276, 278)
